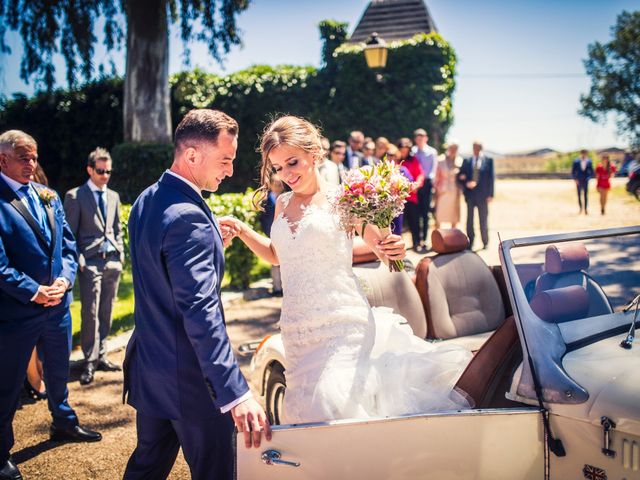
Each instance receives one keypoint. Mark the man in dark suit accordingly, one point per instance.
(93, 213)
(582, 171)
(38, 265)
(477, 179)
(180, 372)
(354, 157)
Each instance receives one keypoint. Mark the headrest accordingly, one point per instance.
(561, 304)
(566, 257)
(444, 240)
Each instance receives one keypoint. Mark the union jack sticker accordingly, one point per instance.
(594, 473)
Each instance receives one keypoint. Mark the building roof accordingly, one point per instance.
(393, 20)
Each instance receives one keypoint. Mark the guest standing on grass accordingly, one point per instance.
(93, 213)
(582, 171)
(38, 264)
(604, 171)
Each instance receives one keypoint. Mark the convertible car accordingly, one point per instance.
(555, 377)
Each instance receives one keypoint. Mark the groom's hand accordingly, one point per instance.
(251, 420)
(230, 229)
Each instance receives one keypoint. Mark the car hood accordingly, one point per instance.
(611, 375)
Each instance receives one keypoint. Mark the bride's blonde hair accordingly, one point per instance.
(286, 130)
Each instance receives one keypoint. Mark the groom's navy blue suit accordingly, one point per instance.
(29, 258)
(179, 367)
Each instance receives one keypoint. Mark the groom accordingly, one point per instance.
(180, 372)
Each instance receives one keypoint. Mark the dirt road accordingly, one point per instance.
(521, 208)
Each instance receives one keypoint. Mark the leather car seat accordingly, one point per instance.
(459, 293)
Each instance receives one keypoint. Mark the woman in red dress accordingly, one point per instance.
(604, 171)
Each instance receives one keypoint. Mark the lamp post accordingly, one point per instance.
(375, 53)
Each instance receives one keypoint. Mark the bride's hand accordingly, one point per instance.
(393, 247)
(230, 228)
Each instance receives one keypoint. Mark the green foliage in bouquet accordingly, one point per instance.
(239, 260)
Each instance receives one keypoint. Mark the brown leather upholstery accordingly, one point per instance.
(561, 304)
(482, 375)
(448, 240)
(364, 257)
(566, 257)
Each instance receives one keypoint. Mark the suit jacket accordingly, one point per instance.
(577, 173)
(28, 260)
(267, 217)
(179, 362)
(486, 178)
(353, 159)
(87, 224)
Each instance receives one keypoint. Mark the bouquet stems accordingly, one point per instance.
(394, 265)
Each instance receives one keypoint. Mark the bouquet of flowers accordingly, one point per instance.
(373, 194)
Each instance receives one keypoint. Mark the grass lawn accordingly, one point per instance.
(123, 308)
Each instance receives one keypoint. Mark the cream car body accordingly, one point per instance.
(590, 388)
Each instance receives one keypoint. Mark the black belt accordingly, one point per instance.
(105, 255)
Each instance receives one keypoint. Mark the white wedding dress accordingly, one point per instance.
(344, 358)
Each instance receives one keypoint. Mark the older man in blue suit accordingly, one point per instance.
(180, 372)
(38, 265)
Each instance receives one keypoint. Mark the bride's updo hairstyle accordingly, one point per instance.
(286, 130)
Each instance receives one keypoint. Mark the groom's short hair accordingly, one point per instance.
(203, 125)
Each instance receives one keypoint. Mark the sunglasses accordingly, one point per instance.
(102, 171)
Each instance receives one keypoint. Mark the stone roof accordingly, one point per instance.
(393, 20)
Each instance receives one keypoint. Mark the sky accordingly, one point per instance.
(520, 62)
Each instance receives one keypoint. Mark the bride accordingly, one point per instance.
(344, 358)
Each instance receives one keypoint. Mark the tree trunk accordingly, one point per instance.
(147, 112)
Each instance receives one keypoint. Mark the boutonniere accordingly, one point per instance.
(47, 196)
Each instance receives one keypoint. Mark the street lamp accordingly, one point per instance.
(375, 51)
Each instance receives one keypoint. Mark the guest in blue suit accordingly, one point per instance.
(180, 372)
(477, 179)
(38, 263)
(582, 171)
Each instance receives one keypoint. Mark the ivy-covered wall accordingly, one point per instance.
(343, 95)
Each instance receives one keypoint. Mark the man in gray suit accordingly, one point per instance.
(93, 213)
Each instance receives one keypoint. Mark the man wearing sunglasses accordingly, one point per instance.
(93, 213)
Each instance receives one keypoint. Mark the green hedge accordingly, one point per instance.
(240, 261)
(138, 165)
(416, 90)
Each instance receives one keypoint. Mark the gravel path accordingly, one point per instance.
(521, 208)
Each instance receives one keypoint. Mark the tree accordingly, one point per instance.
(614, 69)
(47, 27)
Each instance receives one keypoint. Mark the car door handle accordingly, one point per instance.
(273, 457)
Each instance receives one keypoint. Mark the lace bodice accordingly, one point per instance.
(315, 257)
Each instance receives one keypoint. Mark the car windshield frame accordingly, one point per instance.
(542, 341)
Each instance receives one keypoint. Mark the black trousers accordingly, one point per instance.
(412, 213)
(207, 446)
(474, 203)
(424, 203)
(584, 191)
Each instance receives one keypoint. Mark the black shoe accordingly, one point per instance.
(86, 377)
(33, 393)
(276, 293)
(105, 365)
(74, 434)
(9, 471)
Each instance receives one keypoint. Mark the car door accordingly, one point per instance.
(475, 444)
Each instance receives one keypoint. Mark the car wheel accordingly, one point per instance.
(276, 386)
